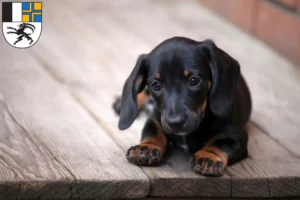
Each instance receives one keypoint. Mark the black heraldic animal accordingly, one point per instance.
(201, 103)
(21, 32)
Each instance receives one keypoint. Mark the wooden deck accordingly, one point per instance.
(58, 133)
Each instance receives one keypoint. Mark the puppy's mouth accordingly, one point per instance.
(192, 122)
(167, 129)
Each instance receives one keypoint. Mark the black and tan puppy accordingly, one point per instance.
(202, 103)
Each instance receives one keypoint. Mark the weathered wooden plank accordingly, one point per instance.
(258, 176)
(26, 167)
(174, 178)
(268, 167)
(52, 117)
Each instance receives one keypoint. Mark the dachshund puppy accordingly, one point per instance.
(202, 104)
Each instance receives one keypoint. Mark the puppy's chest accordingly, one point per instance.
(188, 143)
(180, 141)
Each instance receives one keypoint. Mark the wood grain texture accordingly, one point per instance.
(54, 120)
(25, 163)
(95, 69)
(268, 169)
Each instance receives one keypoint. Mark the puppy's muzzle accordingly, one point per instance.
(175, 122)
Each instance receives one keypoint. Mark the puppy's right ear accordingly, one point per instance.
(225, 73)
(134, 84)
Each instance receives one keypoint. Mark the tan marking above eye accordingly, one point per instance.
(157, 75)
(186, 72)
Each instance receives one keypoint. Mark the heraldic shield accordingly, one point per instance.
(22, 23)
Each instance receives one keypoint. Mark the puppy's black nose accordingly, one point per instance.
(176, 122)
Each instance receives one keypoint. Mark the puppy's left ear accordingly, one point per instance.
(225, 73)
(134, 84)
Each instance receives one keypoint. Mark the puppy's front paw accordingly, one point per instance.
(207, 163)
(144, 155)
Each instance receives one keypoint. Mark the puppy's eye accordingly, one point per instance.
(194, 81)
(155, 86)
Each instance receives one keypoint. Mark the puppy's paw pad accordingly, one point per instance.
(144, 155)
(207, 164)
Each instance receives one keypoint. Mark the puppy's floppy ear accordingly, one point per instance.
(225, 73)
(134, 84)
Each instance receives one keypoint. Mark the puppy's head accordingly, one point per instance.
(185, 77)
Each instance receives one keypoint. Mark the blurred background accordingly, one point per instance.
(275, 22)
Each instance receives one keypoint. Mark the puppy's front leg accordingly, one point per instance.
(151, 148)
(227, 147)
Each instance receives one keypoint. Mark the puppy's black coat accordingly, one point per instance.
(201, 102)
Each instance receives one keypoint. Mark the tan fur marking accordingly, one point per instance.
(203, 106)
(158, 141)
(186, 72)
(221, 154)
(141, 98)
(204, 154)
(157, 75)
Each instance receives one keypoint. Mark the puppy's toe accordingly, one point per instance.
(207, 164)
(130, 155)
(144, 155)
